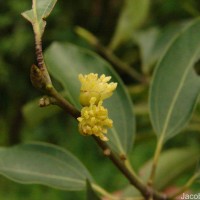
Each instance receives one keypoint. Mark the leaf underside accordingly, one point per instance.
(43, 164)
(175, 87)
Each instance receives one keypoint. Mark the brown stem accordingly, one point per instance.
(134, 180)
(70, 109)
(120, 165)
(40, 58)
(144, 190)
(39, 55)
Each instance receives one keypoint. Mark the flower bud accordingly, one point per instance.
(92, 86)
(94, 120)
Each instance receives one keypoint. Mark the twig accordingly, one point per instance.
(41, 80)
(40, 57)
(70, 109)
(145, 190)
(108, 55)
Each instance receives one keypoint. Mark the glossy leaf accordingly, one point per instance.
(175, 87)
(43, 164)
(172, 164)
(66, 61)
(132, 16)
(40, 10)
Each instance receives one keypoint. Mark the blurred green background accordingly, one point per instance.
(17, 55)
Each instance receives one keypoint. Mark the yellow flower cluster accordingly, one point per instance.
(94, 120)
(92, 86)
(94, 117)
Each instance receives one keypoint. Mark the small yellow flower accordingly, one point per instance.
(94, 120)
(92, 86)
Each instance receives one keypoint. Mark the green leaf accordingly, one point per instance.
(66, 61)
(43, 164)
(175, 87)
(39, 12)
(131, 18)
(33, 114)
(172, 164)
(91, 195)
(153, 42)
(146, 41)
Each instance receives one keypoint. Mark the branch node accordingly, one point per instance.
(107, 152)
(47, 101)
(122, 157)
